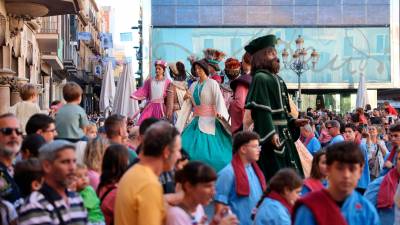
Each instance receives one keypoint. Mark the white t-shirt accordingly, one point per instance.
(177, 216)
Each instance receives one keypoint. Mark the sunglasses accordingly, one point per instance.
(328, 128)
(8, 131)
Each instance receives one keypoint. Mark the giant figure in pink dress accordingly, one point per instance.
(154, 91)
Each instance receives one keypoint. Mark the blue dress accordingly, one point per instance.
(226, 193)
(215, 150)
(356, 210)
(272, 212)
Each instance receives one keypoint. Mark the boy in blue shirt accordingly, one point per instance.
(339, 204)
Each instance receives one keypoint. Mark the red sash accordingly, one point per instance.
(313, 184)
(241, 179)
(323, 208)
(274, 195)
(387, 190)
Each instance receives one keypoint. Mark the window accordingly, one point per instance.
(348, 46)
(208, 43)
(380, 43)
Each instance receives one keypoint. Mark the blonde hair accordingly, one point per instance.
(91, 127)
(28, 91)
(94, 152)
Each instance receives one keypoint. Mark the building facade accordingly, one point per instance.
(39, 45)
(353, 37)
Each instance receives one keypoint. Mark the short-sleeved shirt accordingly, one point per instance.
(226, 193)
(7, 213)
(92, 204)
(139, 198)
(272, 212)
(70, 120)
(336, 139)
(178, 216)
(38, 210)
(313, 146)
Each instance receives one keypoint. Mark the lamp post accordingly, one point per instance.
(298, 64)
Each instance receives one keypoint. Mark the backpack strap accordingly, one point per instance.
(106, 194)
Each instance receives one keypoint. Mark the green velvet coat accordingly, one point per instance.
(268, 100)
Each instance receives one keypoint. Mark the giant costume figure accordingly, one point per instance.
(207, 137)
(268, 103)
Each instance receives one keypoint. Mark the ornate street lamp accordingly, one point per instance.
(298, 64)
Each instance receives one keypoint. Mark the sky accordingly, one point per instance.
(126, 15)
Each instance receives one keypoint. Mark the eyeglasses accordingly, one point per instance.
(8, 131)
(252, 146)
(328, 128)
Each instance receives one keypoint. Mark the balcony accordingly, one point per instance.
(40, 8)
(71, 60)
(48, 36)
(54, 59)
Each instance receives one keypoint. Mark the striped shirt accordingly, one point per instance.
(38, 210)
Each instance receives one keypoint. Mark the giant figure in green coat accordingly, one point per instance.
(268, 107)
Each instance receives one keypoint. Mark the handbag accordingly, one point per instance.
(374, 166)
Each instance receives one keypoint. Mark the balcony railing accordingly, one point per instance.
(49, 27)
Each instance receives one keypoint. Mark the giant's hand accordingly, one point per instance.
(301, 122)
(275, 141)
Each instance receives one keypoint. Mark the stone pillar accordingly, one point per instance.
(4, 98)
(15, 98)
(46, 93)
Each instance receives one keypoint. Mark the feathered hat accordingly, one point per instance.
(213, 57)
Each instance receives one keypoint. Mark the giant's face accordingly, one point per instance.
(272, 61)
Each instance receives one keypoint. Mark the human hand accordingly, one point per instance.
(224, 217)
(388, 165)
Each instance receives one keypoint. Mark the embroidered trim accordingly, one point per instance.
(281, 151)
(267, 136)
(266, 107)
(280, 122)
(280, 91)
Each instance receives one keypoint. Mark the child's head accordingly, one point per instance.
(82, 179)
(28, 92)
(72, 92)
(287, 183)
(28, 175)
(198, 181)
(394, 131)
(94, 152)
(318, 168)
(30, 146)
(247, 145)
(91, 131)
(345, 162)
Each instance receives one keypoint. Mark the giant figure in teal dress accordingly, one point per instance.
(206, 138)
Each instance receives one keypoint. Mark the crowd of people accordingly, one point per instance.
(209, 148)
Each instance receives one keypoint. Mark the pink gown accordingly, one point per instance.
(154, 92)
